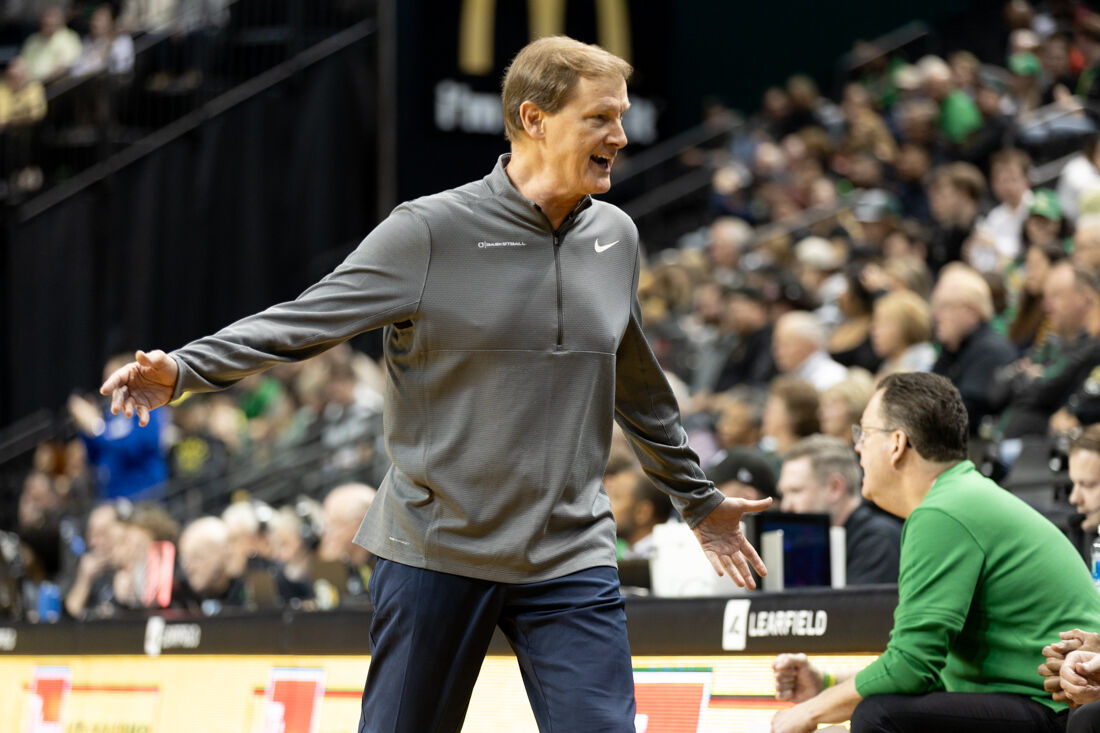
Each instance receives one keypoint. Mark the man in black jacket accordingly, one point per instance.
(962, 306)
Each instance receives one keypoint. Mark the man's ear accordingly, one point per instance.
(532, 118)
(898, 446)
(835, 488)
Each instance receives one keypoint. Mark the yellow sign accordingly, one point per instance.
(253, 694)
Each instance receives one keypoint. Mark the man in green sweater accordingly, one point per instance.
(985, 582)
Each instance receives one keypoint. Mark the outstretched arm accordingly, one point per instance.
(142, 385)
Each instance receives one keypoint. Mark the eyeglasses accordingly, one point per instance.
(859, 432)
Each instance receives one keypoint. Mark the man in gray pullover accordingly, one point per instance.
(513, 339)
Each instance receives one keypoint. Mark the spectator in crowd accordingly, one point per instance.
(204, 558)
(710, 339)
(105, 49)
(820, 475)
(1029, 390)
(22, 107)
(1084, 472)
(911, 168)
(129, 460)
(247, 537)
(799, 350)
(1027, 92)
(790, 414)
(1027, 318)
(843, 403)
(344, 508)
(958, 115)
(22, 99)
(740, 418)
(1080, 174)
(91, 592)
(1086, 243)
(148, 16)
(954, 195)
(996, 239)
(727, 238)
(1082, 407)
(143, 576)
(849, 344)
(976, 602)
(290, 549)
(38, 528)
(962, 307)
(744, 473)
(750, 362)
(901, 333)
(196, 459)
(638, 506)
(50, 53)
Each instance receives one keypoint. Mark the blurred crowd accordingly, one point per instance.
(268, 480)
(942, 215)
(82, 77)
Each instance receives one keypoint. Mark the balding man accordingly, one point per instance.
(727, 238)
(343, 511)
(205, 558)
(248, 546)
(971, 351)
(798, 346)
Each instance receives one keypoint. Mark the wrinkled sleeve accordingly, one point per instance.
(380, 283)
(940, 567)
(646, 410)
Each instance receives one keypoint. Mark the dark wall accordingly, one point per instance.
(247, 210)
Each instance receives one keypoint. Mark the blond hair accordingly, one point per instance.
(968, 286)
(911, 314)
(545, 72)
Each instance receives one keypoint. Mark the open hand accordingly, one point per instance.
(725, 545)
(142, 385)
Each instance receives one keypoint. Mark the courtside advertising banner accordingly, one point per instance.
(315, 694)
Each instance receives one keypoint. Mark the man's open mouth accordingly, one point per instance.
(602, 161)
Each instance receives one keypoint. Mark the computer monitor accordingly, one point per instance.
(807, 557)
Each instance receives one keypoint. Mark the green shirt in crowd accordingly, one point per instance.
(959, 116)
(985, 583)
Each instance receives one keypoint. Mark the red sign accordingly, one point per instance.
(292, 701)
(49, 693)
(671, 701)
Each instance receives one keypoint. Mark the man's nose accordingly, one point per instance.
(617, 137)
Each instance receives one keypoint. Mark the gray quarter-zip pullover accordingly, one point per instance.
(509, 349)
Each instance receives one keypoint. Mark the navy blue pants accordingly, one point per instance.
(430, 632)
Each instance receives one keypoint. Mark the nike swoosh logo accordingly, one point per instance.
(606, 246)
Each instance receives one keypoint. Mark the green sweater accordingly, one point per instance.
(985, 582)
